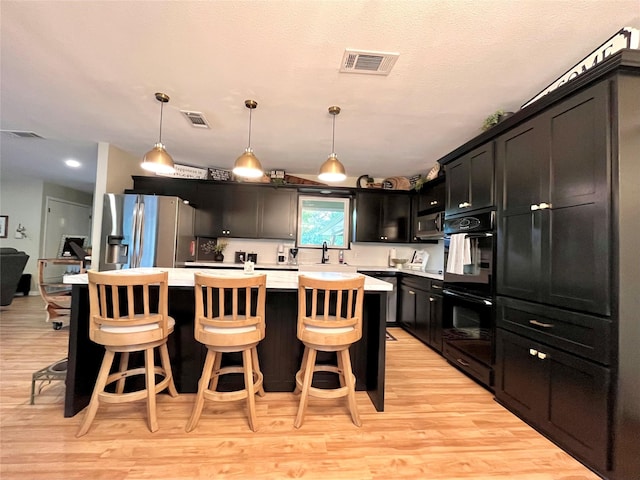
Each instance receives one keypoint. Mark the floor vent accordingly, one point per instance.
(20, 134)
(371, 63)
(196, 119)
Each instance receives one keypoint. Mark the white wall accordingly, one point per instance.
(23, 199)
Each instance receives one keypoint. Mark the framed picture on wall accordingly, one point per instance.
(4, 225)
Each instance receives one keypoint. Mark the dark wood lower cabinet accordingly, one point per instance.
(563, 396)
(420, 309)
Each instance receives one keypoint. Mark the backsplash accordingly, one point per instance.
(369, 254)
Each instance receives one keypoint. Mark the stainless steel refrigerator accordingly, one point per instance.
(146, 231)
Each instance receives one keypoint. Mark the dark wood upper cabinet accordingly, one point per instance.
(382, 217)
(432, 196)
(554, 213)
(279, 213)
(470, 183)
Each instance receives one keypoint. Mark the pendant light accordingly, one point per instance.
(332, 170)
(157, 160)
(247, 165)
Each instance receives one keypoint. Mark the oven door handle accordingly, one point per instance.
(468, 298)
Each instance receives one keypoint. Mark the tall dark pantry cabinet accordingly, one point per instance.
(568, 265)
(568, 272)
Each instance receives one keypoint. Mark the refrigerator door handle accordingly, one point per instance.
(141, 234)
(134, 237)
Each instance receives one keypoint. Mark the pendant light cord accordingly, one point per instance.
(333, 138)
(249, 145)
(161, 109)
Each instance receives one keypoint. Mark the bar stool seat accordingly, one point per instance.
(226, 324)
(328, 323)
(122, 320)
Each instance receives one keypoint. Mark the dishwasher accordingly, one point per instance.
(392, 297)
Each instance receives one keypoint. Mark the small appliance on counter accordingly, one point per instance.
(252, 257)
(282, 259)
(293, 256)
(240, 257)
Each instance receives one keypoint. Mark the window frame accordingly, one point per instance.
(347, 208)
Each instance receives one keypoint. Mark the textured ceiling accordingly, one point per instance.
(78, 73)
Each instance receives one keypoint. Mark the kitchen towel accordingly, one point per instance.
(459, 253)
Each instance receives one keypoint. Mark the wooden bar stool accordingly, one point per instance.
(330, 323)
(224, 326)
(121, 319)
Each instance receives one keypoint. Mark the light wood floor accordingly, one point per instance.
(437, 424)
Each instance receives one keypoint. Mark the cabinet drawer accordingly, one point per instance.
(583, 335)
(464, 362)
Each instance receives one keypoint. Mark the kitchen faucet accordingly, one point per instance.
(325, 259)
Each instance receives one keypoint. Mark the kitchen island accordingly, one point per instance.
(280, 352)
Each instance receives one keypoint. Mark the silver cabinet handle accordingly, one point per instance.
(462, 362)
(544, 206)
(542, 356)
(533, 352)
(464, 205)
(431, 299)
(434, 202)
(411, 292)
(541, 324)
(534, 207)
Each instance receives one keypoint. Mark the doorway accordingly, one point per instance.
(62, 218)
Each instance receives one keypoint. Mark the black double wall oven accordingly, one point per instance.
(469, 295)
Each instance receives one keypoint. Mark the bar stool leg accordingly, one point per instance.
(306, 384)
(215, 375)
(124, 364)
(349, 379)
(248, 385)
(101, 381)
(166, 366)
(303, 365)
(202, 386)
(150, 376)
(256, 368)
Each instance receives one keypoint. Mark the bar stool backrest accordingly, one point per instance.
(330, 311)
(128, 308)
(229, 311)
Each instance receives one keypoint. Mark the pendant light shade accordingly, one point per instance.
(247, 165)
(332, 170)
(157, 160)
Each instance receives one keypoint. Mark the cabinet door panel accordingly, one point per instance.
(407, 307)
(519, 256)
(522, 168)
(579, 149)
(521, 378)
(578, 262)
(368, 218)
(396, 212)
(241, 212)
(457, 185)
(481, 175)
(578, 407)
(278, 214)
(435, 326)
(209, 211)
(423, 316)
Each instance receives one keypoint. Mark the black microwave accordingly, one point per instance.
(429, 226)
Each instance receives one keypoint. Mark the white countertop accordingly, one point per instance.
(435, 275)
(276, 279)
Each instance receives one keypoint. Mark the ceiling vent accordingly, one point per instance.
(20, 134)
(196, 119)
(371, 63)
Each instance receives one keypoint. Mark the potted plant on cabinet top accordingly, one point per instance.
(218, 249)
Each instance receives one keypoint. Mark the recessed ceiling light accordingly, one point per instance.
(72, 163)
